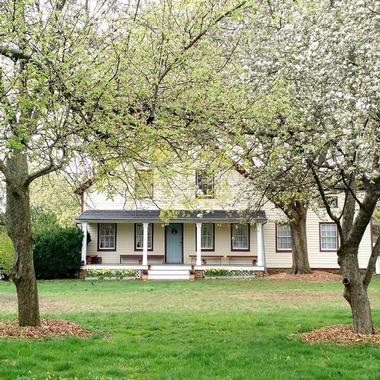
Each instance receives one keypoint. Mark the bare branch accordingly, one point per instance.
(177, 59)
(324, 199)
(52, 167)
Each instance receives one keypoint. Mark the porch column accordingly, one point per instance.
(378, 266)
(199, 243)
(145, 244)
(84, 242)
(260, 250)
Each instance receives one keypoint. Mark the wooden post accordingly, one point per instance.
(199, 243)
(145, 244)
(260, 246)
(84, 242)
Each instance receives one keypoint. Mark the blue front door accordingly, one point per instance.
(174, 243)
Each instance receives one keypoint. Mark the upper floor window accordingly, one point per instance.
(328, 237)
(207, 237)
(139, 242)
(107, 236)
(205, 184)
(283, 237)
(240, 237)
(144, 184)
(332, 201)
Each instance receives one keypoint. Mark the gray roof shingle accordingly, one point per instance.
(182, 215)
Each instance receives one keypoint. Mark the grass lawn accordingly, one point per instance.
(222, 329)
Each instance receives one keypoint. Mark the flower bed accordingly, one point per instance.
(111, 274)
(214, 273)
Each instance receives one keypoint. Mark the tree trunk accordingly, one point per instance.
(18, 222)
(297, 225)
(355, 292)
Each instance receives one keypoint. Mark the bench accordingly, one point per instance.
(93, 260)
(252, 258)
(139, 258)
(205, 258)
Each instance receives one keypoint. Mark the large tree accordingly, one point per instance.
(52, 82)
(326, 55)
(93, 82)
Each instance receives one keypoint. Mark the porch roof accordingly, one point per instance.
(95, 216)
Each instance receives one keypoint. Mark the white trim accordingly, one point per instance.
(264, 264)
(260, 245)
(378, 266)
(84, 242)
(199, 243)
(145, 243)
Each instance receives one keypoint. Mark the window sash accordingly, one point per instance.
(205, 183)
(207, 236)
(139, 242)
(240, 237)
(284, 237)
(332, 200)
(328, 237)
(107, 236)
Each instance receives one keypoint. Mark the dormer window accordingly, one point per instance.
(205, 184)
(144, 184)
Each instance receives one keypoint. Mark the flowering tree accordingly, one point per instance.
(326, 56)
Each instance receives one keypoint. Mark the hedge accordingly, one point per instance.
(7, 252)
(57, 253)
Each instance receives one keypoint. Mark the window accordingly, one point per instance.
(207, 237)
(332, 200)
(328, 237)
(205, 184)
(107, 237)
(144, 184)
(283, 237)
(139, 229)
(240, 237)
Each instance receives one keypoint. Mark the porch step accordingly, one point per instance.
(168, 276)
(170, 267)
(167, 272)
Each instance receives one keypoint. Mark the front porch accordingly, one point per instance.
(192, 241)
(170, 271)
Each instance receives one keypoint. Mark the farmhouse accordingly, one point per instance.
(201, 219)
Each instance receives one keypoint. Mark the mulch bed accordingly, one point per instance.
(49, 328)
(315, 276)
(341, 334)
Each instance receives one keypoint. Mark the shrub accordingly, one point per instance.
(7, 252)
(57, 252)
(117, 274)
(228, 273)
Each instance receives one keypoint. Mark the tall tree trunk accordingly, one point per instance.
(298, 214)
(355, 292)
(18, 222)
